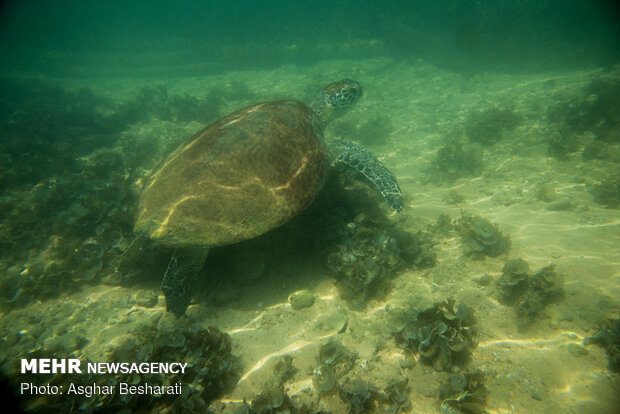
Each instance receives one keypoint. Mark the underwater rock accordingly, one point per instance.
(442, 334)
(576, 350)
(545, 191)
(480, 237)
(562, 144)
(332, 321)
(529, 293)
(488, 126)
(607, 193)
(146, 298)
(564, 204)
(464, 393)
(453, 197)
(301, 299)
(369, 256)
(607, 336)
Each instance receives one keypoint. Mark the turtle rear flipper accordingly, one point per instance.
(181, 278)
(363, 161)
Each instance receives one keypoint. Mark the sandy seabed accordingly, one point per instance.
(416, 107)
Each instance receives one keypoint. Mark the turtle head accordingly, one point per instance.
(336, 99)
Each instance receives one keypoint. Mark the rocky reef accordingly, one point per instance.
(480, 237)
(529, 293)
(443, 334)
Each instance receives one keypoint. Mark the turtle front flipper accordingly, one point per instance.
(366, 163)
(181, 278)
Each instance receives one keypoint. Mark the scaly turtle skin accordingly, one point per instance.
(248, 173)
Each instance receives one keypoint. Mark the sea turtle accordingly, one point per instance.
(246, 174)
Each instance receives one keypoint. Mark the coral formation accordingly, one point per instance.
(608, 337)
(464, 393)
(488, 126)
(442, 334)
(480, 237)
(529, 293)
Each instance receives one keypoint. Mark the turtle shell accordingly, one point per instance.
(246, 174)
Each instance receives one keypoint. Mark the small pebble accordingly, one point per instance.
(577, 350)
(483, 280)
(335, 321)
(407, 362)
(146, 298)
(560, 205)
(536, 394)
(301, 299)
